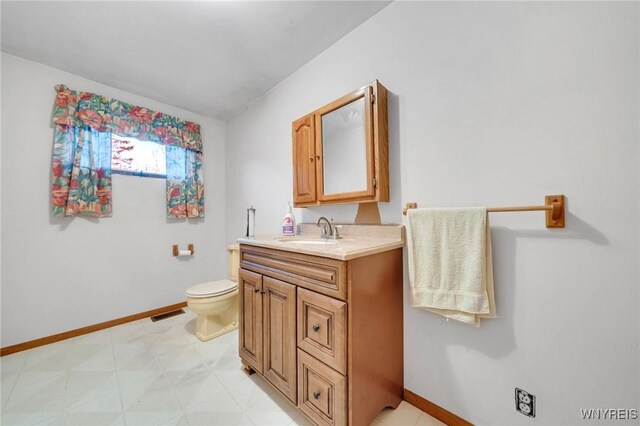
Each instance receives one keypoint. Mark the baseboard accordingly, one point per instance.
(89, 329)
(434, 410)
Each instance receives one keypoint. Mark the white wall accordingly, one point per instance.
(61, 274)
(493, 104)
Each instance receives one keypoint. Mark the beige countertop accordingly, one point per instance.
(357, 241)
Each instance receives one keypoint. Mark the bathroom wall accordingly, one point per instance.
(493, 104)
(62, 274)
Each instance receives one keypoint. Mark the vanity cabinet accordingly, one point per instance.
(340, 151)
(327, 333)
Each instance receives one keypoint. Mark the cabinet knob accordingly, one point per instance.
(316, 394)
(311, 159)
(315, 327)
(318, 157)
(256, 290)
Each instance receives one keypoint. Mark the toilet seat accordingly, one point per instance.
(211, 288)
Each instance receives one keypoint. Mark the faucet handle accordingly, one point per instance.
(336, 233)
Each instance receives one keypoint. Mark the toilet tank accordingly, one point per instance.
(234, 261)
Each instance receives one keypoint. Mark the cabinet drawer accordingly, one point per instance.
(322, 391)
(327, 276)
(322, 328)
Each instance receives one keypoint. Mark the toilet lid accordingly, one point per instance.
(211, 288)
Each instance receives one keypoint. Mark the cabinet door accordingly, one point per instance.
(304, 160)
(251, 318)
(345, 141)
(279, 318)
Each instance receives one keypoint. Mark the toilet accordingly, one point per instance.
(216, 302)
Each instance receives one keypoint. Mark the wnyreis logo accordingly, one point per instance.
(609, 414)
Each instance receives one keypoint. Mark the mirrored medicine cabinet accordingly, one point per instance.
(340, 151)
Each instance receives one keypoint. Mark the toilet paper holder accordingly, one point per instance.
(176, 249)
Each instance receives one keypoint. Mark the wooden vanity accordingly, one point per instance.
(325, 332)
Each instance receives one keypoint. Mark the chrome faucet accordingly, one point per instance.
(327, 230)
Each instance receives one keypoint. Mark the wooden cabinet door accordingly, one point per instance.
(304, 160)
(251, 328)
(279, 319)
(362, 97)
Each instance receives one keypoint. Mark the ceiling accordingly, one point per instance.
(213, 58)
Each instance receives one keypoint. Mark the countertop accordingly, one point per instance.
(357, 241)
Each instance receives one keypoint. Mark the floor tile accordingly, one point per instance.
(193, 386)
(105, 403)
(85, 386)
(150, 396)
(212, 351)
(219, 402)
(168, 336)
(14, 362)
(101, 361)
(271, 417)
(131, 333)
(155, 419)
(302, 420)
(92, 419)
(43, 396)
(54, 357)
(9, 380)
(30, 418)
(145, 373)
(230, 338)
(135, 357)
(181, 358)
(406, 414)
(226, 363)
(126, 378)
(227, 419)
(26, 378)
(248, 393)
(231, 377)
(427, 420)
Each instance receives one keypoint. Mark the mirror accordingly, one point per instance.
(344, 148)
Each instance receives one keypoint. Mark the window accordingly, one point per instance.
(135, 157)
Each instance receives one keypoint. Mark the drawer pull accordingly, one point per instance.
(316, 395)
(315, 327)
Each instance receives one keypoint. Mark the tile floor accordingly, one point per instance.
(145, 373)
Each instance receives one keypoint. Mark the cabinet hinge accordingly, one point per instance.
(373, 98)
(375, 182)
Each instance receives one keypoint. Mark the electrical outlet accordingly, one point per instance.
(525, 403)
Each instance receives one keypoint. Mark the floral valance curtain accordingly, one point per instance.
(81, 158)
(104, 114)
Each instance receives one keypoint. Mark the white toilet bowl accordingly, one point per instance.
(216, 302)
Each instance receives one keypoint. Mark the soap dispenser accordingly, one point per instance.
(289, 222)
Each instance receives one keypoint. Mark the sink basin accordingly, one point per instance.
(309, 241)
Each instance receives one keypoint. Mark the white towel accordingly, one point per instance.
(450, 267)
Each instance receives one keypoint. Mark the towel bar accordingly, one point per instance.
(554, 208)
